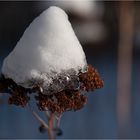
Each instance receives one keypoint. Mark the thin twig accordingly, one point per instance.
(47, 112)
(58, 120)
(38, 118)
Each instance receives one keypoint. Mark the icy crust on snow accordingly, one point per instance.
(66, 80)
(47, 48)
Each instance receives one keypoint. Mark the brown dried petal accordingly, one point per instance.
(19, 98)
(62, 101)
(91, 80)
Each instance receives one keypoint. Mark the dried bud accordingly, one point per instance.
(42, 129)
(91, 79)
(62, 101)
(58, 131)
(19, 98)
(66, 100)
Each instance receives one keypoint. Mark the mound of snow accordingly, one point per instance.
(47, 48)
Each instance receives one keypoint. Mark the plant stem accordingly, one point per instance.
(51, 123)
(58, 120)
(38, 118)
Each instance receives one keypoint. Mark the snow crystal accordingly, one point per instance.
(47, 48)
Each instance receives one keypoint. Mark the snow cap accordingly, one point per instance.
(47, 47)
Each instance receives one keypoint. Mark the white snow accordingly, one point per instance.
(48, 47)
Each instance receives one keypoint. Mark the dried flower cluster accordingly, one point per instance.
(65, 100)
(91, 79)
(62, 101)
(69, 99)
(19, 95)
(19, 98)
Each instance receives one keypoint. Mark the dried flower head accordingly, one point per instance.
(66, 100)
(70, 99)
(91, 79)
(19, 98)
(62, 101)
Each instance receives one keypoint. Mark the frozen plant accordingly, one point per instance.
(49, 61)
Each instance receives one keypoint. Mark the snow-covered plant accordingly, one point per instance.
(49, 62)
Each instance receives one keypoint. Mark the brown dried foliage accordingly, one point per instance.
(91, 79)
(18, 94)
(19, 98)
(62, 101)
(66, 100)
